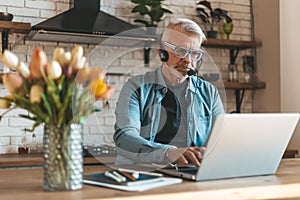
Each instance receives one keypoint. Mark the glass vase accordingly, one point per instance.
(227, 28)
(63, 160)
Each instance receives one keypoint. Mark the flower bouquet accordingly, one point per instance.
(58, 94)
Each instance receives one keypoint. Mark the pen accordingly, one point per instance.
(141, 172)
(130, 177)
(122, 178)
(110, 175)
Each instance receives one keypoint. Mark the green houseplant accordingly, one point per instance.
(151, 9)
(211, 16)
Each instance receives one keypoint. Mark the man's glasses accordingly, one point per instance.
(181, 52)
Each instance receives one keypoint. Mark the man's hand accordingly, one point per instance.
(189, 155)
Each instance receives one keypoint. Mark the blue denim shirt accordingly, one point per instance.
(138, 116)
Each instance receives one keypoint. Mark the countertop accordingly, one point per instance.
(23, 160)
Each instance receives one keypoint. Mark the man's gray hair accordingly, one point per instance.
(187, 26)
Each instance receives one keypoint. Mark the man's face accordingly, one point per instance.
(187, 41)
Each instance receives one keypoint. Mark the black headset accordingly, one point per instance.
(164, 55)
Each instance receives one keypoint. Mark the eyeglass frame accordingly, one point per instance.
(173, 47)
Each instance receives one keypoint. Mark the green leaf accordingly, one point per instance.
(167, 11)
(47, 105)
(36, 124)
(142, 9)
(28, 117)
(147, 24)
(139, 1)
(34, 108)
(206, 4)
(157, 14)
(7, 99)
(53, 92)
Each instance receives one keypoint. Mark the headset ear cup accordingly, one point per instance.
(164, 55)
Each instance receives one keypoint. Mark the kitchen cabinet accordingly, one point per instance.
(234, 47)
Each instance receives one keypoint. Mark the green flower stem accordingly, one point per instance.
(33, 108)
(47, 105)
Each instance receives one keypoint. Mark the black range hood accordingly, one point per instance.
(85, 23)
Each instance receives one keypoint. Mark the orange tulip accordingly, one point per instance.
(38, 63)
(12, 82)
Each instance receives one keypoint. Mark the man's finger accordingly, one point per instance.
(192, 157)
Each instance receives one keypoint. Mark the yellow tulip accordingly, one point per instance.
(107, 93)
(57, 54)
(35, 95)
(4, 104)
(66, 58)
(97, 87)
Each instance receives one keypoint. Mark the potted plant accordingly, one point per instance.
(211, 16)
(151, 8)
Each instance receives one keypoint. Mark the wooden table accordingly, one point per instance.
(26, 183)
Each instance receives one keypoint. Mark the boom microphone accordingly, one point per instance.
(191, 72)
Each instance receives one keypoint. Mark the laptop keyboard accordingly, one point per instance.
(188, 169)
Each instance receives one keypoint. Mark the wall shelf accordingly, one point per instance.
(12, 27)
(231, 44)
(239, 90)
(234, 47)
(15, 27)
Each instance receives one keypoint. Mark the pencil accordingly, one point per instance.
(130, 177)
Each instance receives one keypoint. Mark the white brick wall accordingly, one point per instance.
(99, 126)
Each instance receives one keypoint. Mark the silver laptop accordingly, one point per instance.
(242, 145)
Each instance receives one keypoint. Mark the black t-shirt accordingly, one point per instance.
(170, 118)
(172, 127)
